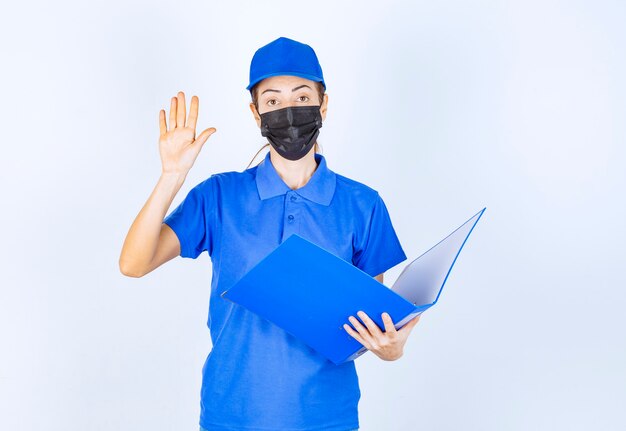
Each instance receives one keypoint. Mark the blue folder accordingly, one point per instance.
(309, 292)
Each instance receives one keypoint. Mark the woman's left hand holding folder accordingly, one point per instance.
(387, 345)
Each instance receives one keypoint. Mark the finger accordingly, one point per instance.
(162, 125)
(409, 326)
(364, 333)
(356, 336)
(173, 104)
(371, 325)
(193, 113)
(359, 327)
(390, 329)
(180, 118)
(202, 137)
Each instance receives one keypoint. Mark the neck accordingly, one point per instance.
(295, 173)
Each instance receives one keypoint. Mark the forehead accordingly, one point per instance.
(285, 83)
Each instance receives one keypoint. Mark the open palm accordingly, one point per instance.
(178, 145)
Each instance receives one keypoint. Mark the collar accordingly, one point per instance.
(320, 188)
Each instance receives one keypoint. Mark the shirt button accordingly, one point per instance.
(290, 217)
(293, 198)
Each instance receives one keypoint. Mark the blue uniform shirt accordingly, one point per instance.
(257, 376)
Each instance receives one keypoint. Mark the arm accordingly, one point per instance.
(149, 242)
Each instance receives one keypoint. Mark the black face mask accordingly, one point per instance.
(292, 131)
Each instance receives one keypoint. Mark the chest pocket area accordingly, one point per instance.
(339, 245)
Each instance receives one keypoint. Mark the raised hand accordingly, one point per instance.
(178, 145)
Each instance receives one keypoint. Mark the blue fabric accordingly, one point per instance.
(204, 429)
(284, 56)
(257, 376)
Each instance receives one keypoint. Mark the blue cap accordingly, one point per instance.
(285, 56)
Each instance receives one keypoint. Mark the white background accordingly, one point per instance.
(444, 107)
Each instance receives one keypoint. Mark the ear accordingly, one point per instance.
(323, 106)
(255, 114)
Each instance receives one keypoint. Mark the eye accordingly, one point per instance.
(271, 102)
(305, 97)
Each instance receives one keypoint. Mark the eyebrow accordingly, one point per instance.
(294, 89)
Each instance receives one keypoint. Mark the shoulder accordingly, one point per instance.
(228, 179)
(228, 186)
(356, 192)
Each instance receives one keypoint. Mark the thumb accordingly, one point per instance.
(411, 323)
(202, 137)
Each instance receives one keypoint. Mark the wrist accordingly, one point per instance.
(172, 180)
(174, 176)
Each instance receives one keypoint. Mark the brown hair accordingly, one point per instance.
(255, 100)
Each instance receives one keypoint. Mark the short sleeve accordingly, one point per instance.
(378, 248)
(193, 220)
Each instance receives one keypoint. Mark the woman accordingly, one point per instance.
(257, 376)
